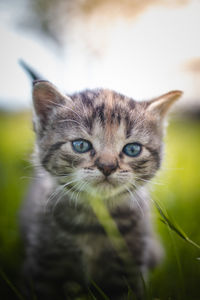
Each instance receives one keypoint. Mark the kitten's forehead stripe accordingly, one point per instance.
(100, 111)
(110, 108)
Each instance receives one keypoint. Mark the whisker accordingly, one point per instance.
(75, 187)
(59, 189)
(51, 197)
(142, 199)
(84, 184)
(74, 121)
(65, 107)
(63, 192)
(149, 181)
(136, 197)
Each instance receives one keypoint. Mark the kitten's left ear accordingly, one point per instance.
(46, 97)
(160, 106)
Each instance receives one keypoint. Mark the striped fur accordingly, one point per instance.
(66, 244)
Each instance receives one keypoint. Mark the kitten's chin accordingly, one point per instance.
(107, 190)
(106, 183)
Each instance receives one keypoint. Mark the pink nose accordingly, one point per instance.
(106, 168)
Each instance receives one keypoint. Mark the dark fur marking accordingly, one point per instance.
(92, 153)
(122, 214)
(121, 155)
(86, 100)
(95, 229)
(131, 104)
(88, 97)
(68, 225)
(72, 159)
(100, 112)
(88, 122)
(136, 167)
(126, 228)
(50, 152)
(113, 114)
(156, 156)
(129, 126)
(119, 118)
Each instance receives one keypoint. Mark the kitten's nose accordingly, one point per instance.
(106, 168)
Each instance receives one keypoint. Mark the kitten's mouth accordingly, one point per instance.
(106, 181)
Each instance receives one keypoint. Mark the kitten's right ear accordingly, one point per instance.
(46, 97)
(161, 105)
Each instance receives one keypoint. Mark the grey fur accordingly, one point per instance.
(67, 248)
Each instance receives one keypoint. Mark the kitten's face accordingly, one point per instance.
(98, 140)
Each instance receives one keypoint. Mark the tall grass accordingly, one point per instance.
(16, 140)
(178, 199)
(179, 276)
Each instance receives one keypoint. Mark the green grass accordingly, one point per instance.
(178, 196)
(15, 147)
(179, 276)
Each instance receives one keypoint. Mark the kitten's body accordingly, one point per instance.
(65, 241)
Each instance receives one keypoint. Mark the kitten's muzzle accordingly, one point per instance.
(106, 168)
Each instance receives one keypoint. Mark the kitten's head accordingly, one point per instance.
(99, 140)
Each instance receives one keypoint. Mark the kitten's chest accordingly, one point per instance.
(98, 246)
(89, 235)
(92, 247)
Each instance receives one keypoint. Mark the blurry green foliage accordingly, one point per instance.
(16, 141)
(176, 189)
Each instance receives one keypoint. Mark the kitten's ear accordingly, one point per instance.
(46, 97)
(160, 106)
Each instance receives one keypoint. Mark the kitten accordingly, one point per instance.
(96, 144)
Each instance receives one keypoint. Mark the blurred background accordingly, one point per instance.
(139, 48)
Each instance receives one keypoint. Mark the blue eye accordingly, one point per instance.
(133, 149)
(81, 146)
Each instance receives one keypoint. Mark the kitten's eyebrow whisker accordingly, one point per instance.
(65, 106)
(81, 126)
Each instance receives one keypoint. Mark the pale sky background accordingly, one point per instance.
(141, 58)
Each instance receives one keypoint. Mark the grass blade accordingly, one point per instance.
(91, 295)
(100, 290)
(9, 283)
(174, 226)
